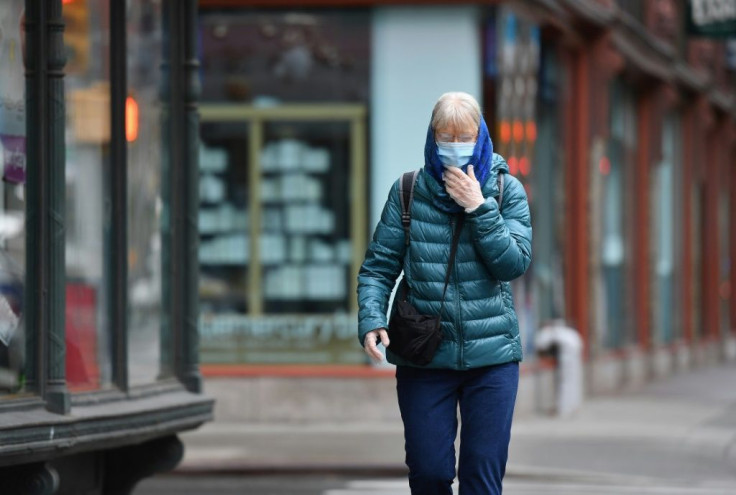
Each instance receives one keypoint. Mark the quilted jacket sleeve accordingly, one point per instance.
(382, 266)
(503, 239)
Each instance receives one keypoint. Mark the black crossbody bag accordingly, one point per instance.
(415, 337)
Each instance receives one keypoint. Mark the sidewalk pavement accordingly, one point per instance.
(681, 428)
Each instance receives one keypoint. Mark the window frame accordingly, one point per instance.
(45, 245)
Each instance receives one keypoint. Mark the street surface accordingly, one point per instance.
(676, 436)
(328, 485)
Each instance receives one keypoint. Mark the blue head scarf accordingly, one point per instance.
(481, 161)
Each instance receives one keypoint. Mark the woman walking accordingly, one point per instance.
(462, 249)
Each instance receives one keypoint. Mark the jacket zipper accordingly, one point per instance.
(458, 313)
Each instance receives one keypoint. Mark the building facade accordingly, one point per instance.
(619, 122)
(98, 319)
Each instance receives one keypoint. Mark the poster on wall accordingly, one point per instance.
(12, 92)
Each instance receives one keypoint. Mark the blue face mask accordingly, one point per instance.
(455, 154)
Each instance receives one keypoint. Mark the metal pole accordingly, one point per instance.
(183, 200)
(189, 369)
(116, 227)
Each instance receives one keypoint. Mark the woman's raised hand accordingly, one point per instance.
(464, 189)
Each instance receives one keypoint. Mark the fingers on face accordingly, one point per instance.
(453, 180)
(453, 172)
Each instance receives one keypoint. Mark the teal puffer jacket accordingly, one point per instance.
(478, 319)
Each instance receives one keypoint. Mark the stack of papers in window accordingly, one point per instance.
(292, 154)
(308, 282)
(292, 187)
(309, 219)
(211, 189)
(212, 159)
(224, 218)
(325, 282)
(227, 250)
(273, 249)
(285, 282)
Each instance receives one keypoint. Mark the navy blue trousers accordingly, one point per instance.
(429, 399)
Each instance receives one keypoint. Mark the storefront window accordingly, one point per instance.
(223, 222)
(12, 202)
(278, 240)
(145, 145)
(725, 261)
(548, 196)
(697, 191)
(268, 57)
(87, 91)
(282, 185)
(664, 234)
(611, 215)
(524, 80)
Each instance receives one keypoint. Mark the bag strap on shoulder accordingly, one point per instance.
(457, 228)
(500, 189)
(406, 195)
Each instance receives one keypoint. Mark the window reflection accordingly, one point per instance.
(611, 237)
(278, 185)
(665, 234)
(87, 90)
(12, 261)
(144, 135)
(524, 88)
(270, 57)
(12, 204)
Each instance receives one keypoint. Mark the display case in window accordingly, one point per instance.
(282, 230)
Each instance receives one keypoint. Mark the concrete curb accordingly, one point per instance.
(269, 468)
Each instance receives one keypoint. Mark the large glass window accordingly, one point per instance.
(145, 145)
(279, 238)
(272, 57)
(665, 231)
(87, 91)
(611, 213)
(547, 198)
(12, 204)
(282, 185)
(524, 91)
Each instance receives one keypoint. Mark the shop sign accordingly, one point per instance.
(712, 18)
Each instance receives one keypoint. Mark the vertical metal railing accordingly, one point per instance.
(116, 225)
(45, 239)
(183, 197)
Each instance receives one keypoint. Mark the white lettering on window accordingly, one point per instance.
(712, 11)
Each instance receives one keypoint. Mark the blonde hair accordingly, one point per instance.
(455, 109)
